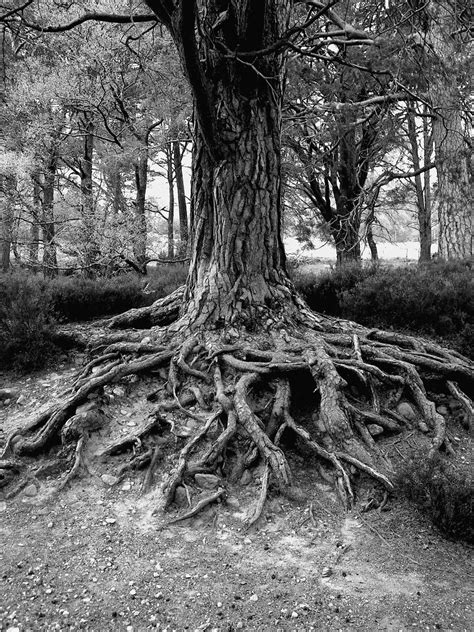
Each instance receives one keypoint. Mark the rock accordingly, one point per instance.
(443, 410)
(9, 393)
(327, 572)
(21, 399)
(30, 490)
(423, 427)
(253, 598)
(374, 429)
(207, 481)
(127, 486)
(180, 497)
(118, 391)
(232, 502)
(3, 506)
(246, 478)
(85, 408)
(110, 520)
(110, 480)
(406, 410)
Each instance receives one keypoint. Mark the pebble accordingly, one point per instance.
(3, 505)
(108, 479)
(246, 478)
(327, 572)
(375, 429)
(254, 598)
(207, 481)
(110, 520)
(30, 490)
(127, 486)
(407, 411)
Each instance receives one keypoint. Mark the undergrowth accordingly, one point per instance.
(442, 492)
(436, 300)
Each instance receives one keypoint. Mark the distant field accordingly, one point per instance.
(405, 251)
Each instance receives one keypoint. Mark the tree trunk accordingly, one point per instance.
(183, 211)
(50, 262)
(237, 272)
(33, 246)
(450, 136)
(7, 183)
(423, 205)
(345, 231)
(140, 226)
(91, 249)
(454, 199)
(170, 176)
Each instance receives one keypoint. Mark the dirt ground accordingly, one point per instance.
(95, 557)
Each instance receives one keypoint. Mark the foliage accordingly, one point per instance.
(441, 491)
(435, 299)
(26, 322)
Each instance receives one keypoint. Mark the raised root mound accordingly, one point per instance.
(246, 392)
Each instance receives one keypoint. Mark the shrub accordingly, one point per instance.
(26, 322)
(442, 492)
(435, 300)
(77, 298)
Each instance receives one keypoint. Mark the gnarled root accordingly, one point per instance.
(245, 406)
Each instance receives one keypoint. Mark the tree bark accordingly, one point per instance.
(422, 189)
(450, 138)
(345, 229)
(238, 272)
(50, 262)
(182, 208)
(170, 177)
(7, 184)
(33, 246)
(140, 225)
(91, 248)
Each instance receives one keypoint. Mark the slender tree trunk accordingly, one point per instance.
(170, 176)
(50, 262)
(33, 246)
(7, 183)
(140, 226)
(423, 210)
(182, 208)
(91, 248)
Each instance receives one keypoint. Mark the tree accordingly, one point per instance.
(243, 331)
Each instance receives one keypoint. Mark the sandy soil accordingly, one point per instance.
(94, 557)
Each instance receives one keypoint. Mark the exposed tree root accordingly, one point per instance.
(245, 390)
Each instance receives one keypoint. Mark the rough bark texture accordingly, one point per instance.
(91, 249)
(170, 177)
(140, 225)
(181, 195)
(33, 246)
(7, 184)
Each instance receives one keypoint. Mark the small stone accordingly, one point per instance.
(375, 429)
(442, 410)
(239, 625)
(327, 572)
(246, 478)
(110, 480)
(13, 629)
(110, 520)
(423, 427)
(294, 615)
(253, 598)
(3, 505)
(85, 408)
(30, 490)
(207, 481)
(127, 486)
(232, 502)
(21, 399)
(406, 410)
(118, 391)
(247, 541)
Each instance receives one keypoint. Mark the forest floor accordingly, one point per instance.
(94, 557)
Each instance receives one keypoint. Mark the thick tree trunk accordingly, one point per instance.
(182, 208)
(345, 230)
(454, 196)
(140, 225)
(450, 136)
(170, 177)
(50, 262)
(91, 248)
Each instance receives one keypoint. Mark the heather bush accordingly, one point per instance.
(442, 492)
(26, 322)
